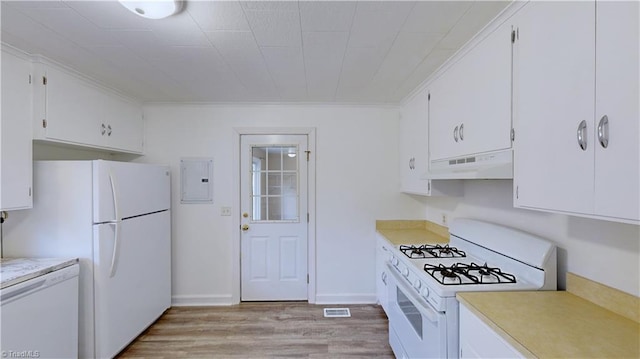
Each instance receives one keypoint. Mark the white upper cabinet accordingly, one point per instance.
(414, 151)
(73, 110)
(470, 109)
(413, 144)
(617, 171)
(15, 133)
(574, 64)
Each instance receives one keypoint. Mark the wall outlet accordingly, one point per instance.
(225, 211)
(444, 219)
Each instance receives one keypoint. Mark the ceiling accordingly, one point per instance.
(252, 51)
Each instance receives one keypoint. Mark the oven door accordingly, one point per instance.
(416, 330)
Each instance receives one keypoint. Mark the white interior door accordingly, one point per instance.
(274, 220)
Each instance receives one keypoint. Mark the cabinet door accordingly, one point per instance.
(443, 117)
(484, 91)
(617, 166)
(413, 144)
(382, 253)
(124, 124)
(15, 134)
(554, 92)
(478, 340)
(73, 109)
(470, 108)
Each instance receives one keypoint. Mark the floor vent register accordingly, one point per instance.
(337, 313)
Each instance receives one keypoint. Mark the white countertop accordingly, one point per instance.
(17, 270)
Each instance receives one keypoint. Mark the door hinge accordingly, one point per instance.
(29, 191)
(308, 153)
(307, 278)
(44, 123)
(44, 80)
(517, 192)
(513, 36)
(29, 78)
(307, 217)
(513, 134)
(429, 186)
(429, 96)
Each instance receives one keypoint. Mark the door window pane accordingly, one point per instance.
(274, 189)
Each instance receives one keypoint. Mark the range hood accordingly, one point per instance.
(490, 165)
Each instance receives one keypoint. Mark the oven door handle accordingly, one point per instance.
(422, 305)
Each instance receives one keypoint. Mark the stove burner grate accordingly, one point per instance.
(461, 273)
(432, 251)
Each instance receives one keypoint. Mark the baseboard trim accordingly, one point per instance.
(201, 300)
(346, 299)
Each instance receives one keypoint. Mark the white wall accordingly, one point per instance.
(356, 182)
(602, 251)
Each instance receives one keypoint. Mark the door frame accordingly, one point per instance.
(236, 235)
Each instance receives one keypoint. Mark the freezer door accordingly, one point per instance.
(133, 293)
(124, 189)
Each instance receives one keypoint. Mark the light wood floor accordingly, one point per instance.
(264, 330)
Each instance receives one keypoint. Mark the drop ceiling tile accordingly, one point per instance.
(286, 65)
(179, 31)
(471, 22)
(323, 57)
(139, 40)
(275, 28)
(241, 53)
(430, 64)
(435, 16)
(109, 15)
(361, 64)
(408, 51)
(218, 15)
(327, 15)
(270, 5)
(376, 22)
(67, 23)
(31, 36)
(50, 4)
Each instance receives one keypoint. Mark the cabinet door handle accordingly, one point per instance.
(461, 131)
(582, 135)
(455, 134)
(603, 131)
(109, 130)
(103, 129)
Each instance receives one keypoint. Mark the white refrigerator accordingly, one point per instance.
(115, 217)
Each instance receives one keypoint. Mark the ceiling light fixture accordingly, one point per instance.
(153, 9)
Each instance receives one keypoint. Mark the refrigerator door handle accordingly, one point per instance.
(116, 249)
(114, 194)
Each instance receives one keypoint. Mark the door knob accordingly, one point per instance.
(245, 227)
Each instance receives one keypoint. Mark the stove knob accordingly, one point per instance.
(417, 284)
(405, 272)
(425, 292)
(394, 261)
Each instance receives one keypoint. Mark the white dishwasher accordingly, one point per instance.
(39, 315)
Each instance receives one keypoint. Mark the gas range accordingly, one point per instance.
(422, 281)
(480, 256)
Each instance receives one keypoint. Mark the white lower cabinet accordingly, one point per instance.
(15, 133)
(382, 255)
(478, 340)
(72, 110)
